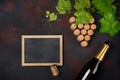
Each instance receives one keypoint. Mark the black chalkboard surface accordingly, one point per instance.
(41, 50)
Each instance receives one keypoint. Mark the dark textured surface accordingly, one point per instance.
(18, 17)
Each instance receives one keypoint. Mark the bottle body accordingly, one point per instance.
(92, 68)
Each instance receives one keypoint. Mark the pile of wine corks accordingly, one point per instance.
(83, 32)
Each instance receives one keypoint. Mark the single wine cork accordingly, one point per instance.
(54, 70)
(84, 43)
(83, 32)
(87, 37)
(86, 26)
(93, 26)
(80, 26)
(73, 26)
(80, 37)
(92, 21)
(76, 32)
(72, 19)
(90, 32)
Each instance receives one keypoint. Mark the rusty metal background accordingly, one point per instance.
(18, 17)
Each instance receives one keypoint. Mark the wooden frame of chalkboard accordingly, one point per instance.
(32, 55)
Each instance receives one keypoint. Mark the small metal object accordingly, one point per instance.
(54, 70)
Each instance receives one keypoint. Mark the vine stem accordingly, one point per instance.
(50, 27)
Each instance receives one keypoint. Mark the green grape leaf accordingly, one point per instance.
(80, 4)
(63, 6)
(82, 13)
(109, 17)
(103, 7)
(109, 24)
(115, 28)
(53, 17)
(110, 1)
(82, 17)
(110, 28)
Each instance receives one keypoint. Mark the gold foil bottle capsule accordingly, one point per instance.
(72, 19)
(100, 56)
(54, 70)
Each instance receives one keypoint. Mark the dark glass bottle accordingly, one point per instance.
(91, 69)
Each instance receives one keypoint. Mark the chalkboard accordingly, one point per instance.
(42, 50)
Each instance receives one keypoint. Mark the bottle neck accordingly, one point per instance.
(102, 53)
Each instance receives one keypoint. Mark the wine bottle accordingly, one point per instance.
(91, 69)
